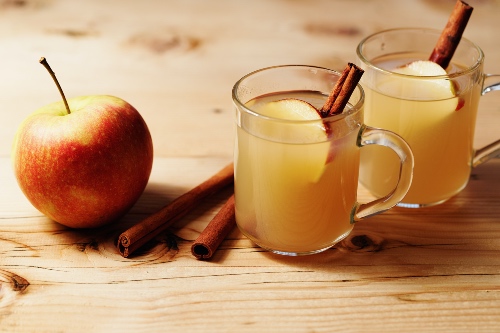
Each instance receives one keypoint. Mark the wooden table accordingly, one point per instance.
(427, 270)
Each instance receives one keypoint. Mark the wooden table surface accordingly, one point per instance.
(426, 270)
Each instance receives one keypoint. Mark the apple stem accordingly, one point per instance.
(44, 62)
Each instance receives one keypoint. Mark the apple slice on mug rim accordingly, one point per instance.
(436, 88)
(296, 109)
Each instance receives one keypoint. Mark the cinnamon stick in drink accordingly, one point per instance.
(138, 235)
(342, 91)
(451, 35)
(215, 232)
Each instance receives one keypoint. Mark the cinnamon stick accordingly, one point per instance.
(451, 35)
(341, 92)
(138, 235)
(215, 232)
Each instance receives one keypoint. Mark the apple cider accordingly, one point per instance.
(295, 182)
(439, 130)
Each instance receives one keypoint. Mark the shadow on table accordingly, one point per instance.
(104, 239)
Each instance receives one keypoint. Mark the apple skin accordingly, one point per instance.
(87, 168)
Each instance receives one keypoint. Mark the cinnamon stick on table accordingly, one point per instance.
(342, 91)
(220, 226)
(451, 35)
(138, 235)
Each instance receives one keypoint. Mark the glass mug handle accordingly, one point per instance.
(376, 136)
(493, 149)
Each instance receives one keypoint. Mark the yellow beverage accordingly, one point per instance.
(295, 184)
(439, 131)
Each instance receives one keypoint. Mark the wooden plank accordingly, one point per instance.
(430, 268)
(427, 270)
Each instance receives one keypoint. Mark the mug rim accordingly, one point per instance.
(370, 65)
(241, 106)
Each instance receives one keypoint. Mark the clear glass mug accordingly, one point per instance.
(438, 124)
(295, 182)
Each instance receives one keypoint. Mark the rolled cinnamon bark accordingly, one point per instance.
(215, 232)
(342, 91)
(451, 35)
(138, 235)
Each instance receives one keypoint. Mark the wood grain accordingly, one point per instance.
(426, 270)
(432, 268)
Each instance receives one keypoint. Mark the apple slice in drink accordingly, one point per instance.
(291, 109)
(436, 88)
(432, 89)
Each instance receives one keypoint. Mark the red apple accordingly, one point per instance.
(85, 168)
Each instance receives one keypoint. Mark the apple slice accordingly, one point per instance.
(432, 89)
(313, 132)
(421, 68)
(439, 88)
(292, 109)
(296, 109)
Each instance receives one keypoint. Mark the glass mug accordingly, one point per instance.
(439, 129)
(296, 184)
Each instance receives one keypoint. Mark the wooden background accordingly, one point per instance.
(176, 61)
(428, 270)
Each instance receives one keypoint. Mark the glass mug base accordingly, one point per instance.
(417, 205)
(404, 204)
(292, 253)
